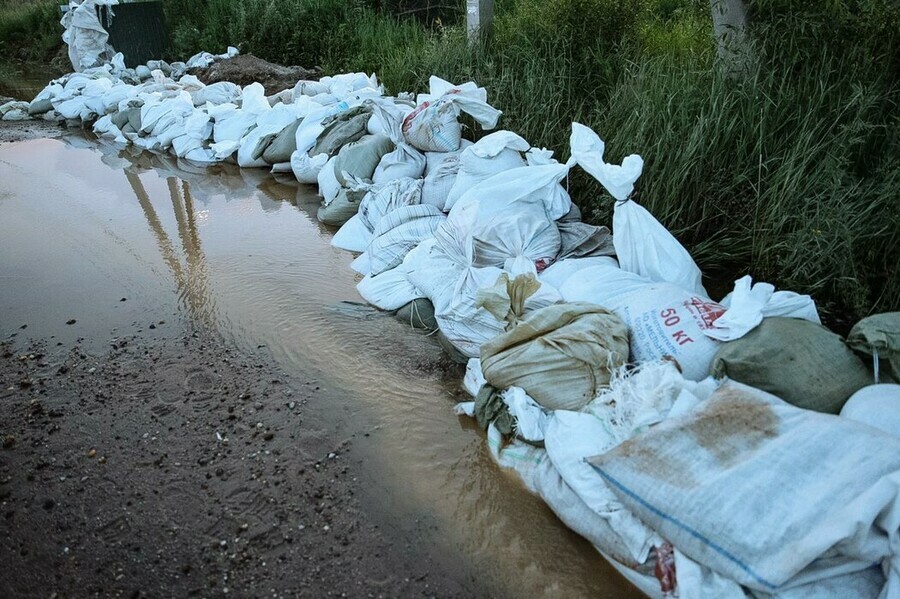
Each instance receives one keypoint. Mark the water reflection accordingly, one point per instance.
(252, 261)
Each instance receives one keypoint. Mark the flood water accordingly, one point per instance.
(84, 226)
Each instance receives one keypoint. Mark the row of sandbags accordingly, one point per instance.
(480, 242)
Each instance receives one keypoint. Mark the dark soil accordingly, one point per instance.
(246, 69)
(174, 466)
(11, 131)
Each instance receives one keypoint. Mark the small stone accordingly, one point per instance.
(152, 326)
(92, 370)
(71, 322)
(92, 453)
(9, 442)
(124, 299)
(101, 459)
(269, 436)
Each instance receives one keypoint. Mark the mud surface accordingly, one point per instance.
(12, 131)
(174, 466)
(246, 69)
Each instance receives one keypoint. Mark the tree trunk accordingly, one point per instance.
(730, 28)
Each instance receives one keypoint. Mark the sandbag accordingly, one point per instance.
(799, 361)
(762, 492)
(561, 355)
(384, 199)
(398, 232)
(662, 319)
(306, 168)
(879, 336)
(282, 145)
(581, 240)
(492, 154)
(876, 405)
(341, 208)
(360, 158)
(221, 92)
(390, 290)
(433, 125)
(418, 314)
(341, 129)
(438, 183)
(404, 161)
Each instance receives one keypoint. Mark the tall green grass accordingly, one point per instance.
(29, 31)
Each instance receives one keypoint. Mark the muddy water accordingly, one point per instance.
(114, 240)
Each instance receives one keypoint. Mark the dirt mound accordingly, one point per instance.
(246, 68)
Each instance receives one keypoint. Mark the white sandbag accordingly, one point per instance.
(270, 122)
(519, 186)
(403, 162)
(433, 125)
(329, 186)
(85, 35)
(542, 478)
(14, 111)
(877, 406)
(748, 304)
(492, 154)
(390, 290)
(569, 439)
(438, 183)
(353, 236)
(398, 232)
(384, 199)
(103, 127)
(464, 322)
(559, 272)
(515, 238)
(767, 494)
(198, 128)
(309, 88)
(221, 92)
(473, 380)
(434, 160)
(643, 245)
(663, 319)
(305, 167)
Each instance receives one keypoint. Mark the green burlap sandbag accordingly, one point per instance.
(281, 145)
(561, 355)
(360, 158)
(344, 128)
(879, 335)
(418, 314)
(342, 208)
(799, 361)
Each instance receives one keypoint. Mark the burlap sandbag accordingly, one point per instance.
(360, 158)
(561, 355)
(879, 335)
(282, 144)
(799, 361)
(340, 209)
(344, 128)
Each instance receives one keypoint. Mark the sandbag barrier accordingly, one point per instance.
(597, 346)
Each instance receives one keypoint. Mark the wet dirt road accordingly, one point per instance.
(236, 267)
